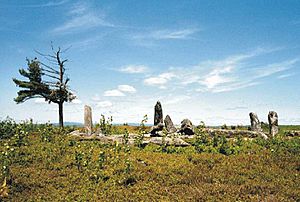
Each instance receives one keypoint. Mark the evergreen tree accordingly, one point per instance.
(35, 88)
(54, 90)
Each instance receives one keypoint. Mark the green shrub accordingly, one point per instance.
(201, 141)
(101, 160)
(142, 131)
(82, 159)
(79, 160)
(105, 125)
(6, 158)
(20, 137)
(28, 126)
(216, 144)
(46, 132)
(224, 126)
(279, 144)
(7, 128)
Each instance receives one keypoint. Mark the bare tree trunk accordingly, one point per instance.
(61, 115)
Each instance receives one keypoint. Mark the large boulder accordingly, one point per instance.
(88, 124)
(187, 127)
(156, 130)
(255, 124)
(168, 141)
(120, 140)
(293, 133)
(169, 125)
(273, 123)
(235, 133)
(158, 114)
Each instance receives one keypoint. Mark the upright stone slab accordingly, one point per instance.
(169, 125)
(158, 114)
(273, 123)
(255, 123)
(88, 123)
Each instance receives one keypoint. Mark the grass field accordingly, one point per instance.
(44, 164)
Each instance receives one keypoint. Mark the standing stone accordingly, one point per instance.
(158, 114)
(187, 127)
(273, 123)
(255, 124)
(88, 124)
(169, 125)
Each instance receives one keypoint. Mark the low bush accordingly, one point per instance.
(7, 128)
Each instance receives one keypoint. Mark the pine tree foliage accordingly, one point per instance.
(35, 87)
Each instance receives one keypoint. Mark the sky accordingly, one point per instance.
(213, 61)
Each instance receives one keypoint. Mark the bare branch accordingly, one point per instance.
(52, 61)
(67, 80)
(52, 47)
(48, 71)
(47, 66)
(54, 77)
(65, 50)
(44, 55)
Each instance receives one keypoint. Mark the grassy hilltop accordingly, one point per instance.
(43, 163)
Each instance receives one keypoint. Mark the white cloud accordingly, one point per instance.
(96, 98)
(232, 73)
(151, 38)
(274, 68)
(119, 92)
(40, 101)
(217, 76)
(166, 34)
(81, 18)
(84, 44)
(176, 99)
(77, 101)
(234, 86)
(79, 8)
(134, 69)
(160, 80)
(173, 34)
(126, 88)
(45, 5)
(113, 93)
(104, 104)
(225, 72)
(284, 76)
(236, 108)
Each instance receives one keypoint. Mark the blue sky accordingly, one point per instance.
(214, 61)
